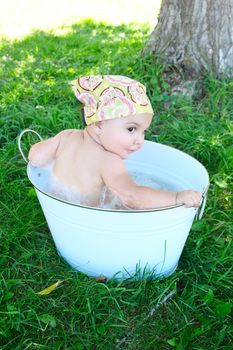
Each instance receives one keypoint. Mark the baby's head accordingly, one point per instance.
(116, 109)
(106, 97)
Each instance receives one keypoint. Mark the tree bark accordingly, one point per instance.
(196, 34)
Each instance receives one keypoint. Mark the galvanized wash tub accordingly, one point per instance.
(119, 243)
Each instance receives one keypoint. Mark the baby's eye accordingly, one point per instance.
(131, 129)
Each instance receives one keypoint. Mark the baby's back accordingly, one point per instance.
(76, 168)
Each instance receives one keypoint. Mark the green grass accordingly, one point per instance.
(81, 313)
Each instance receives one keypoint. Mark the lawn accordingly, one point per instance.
(83, 313)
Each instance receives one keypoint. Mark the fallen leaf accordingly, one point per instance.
(50, 289)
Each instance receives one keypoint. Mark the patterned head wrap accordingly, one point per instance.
(110, 96)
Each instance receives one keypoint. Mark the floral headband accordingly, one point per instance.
(110, 96)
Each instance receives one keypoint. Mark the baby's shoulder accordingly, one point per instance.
(110, 160)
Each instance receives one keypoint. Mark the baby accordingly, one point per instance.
(117, 114)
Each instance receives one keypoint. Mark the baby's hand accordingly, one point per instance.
(189, 198)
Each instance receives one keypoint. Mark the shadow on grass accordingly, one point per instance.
(36, 72)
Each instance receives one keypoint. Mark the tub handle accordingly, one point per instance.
(200, 209)
(19, 141)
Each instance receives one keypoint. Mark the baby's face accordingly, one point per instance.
(124, 135)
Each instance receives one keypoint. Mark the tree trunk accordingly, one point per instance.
(196, 34)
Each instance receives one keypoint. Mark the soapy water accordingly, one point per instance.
(42, 179)
(152, 181)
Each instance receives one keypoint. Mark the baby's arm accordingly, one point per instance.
(117, 179)
(42, 153)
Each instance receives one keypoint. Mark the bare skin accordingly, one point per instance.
(87, 160)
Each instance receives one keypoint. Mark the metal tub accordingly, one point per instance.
(119, 243)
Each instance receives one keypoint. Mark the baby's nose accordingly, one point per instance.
(139, 140)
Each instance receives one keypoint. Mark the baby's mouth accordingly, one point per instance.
(132, 150)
